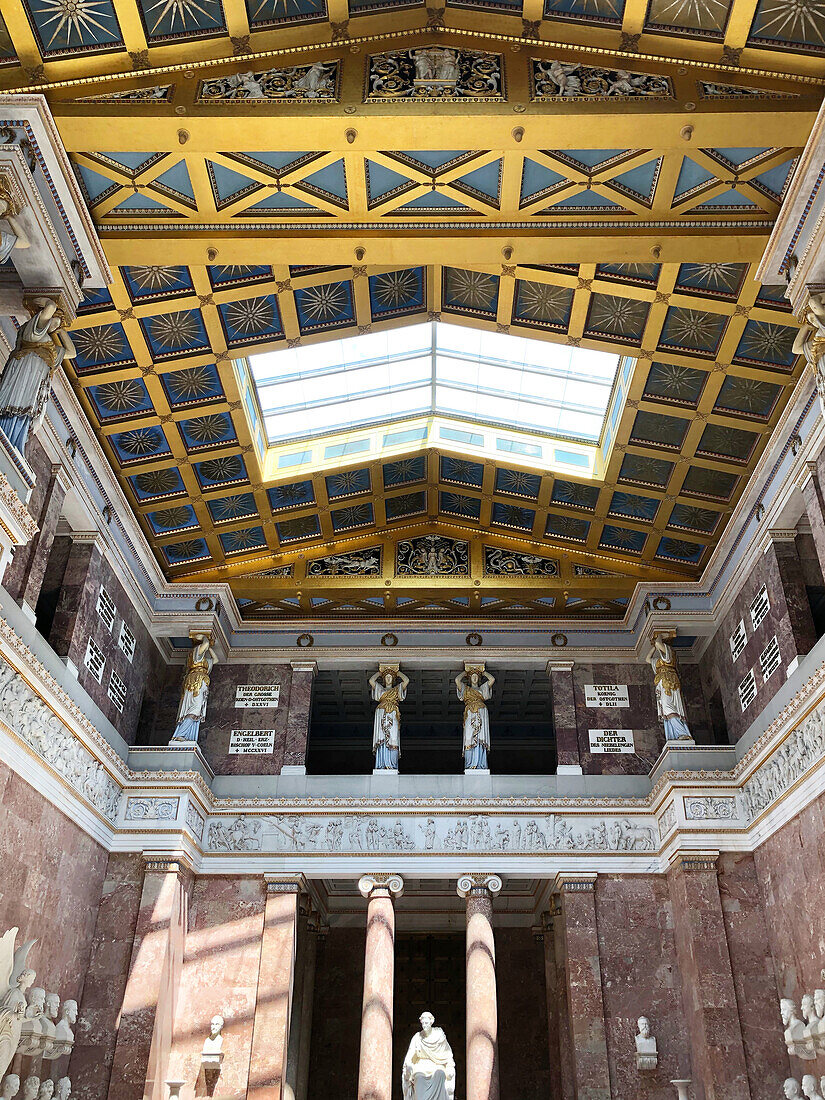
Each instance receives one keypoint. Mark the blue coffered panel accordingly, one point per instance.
(633, 506)
(226, 509)
(542, 304)
(395, 293)
(251, 320)
(509, 515)
(717, 280)
(170, 20)
(181, 553)
(293, 495)
(240, 542)
(567, 527)
(102, 345)
(404, 471)
(296, 530)
(154, 281)
(641, 274)
(458, 504)
(230, 275)
(356, 515)
(574, 494)
(180, 517)
(192, 385)
(405, 504)
(328, 306)
(157, 484)
(140, 444)
(693, 330)
(471, 292)
(461, 471)
(176, 334)
(619, 318)
(95, 299)
(600, 11)
(82, 26)
(348, 483)
(679, 550)
(275, 13)
(214, 472)
(793, 26)
(125, 398)
(517, 483)
(212, 430)
(622, 538)
(765, 343)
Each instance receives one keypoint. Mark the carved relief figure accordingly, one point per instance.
(669, 702)
(195, 691)
(429, 1066)
(41, 347)
(474, 694)
(389, 688)
(12, 234)
(15, 979)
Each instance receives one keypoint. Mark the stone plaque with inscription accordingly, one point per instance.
(254, 742)
(606, 695)
(257, 696)
(612, 741)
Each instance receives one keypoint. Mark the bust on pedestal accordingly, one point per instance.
(647, 1056)
(212, 1052)
(429, 1067)
(11, 1087)
(795, 1038)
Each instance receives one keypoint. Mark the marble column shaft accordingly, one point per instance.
(482, 998)
(298, 716)
(25, 575)
(69, 636)
(815, 509)
(708, 991)
(144, 1037)
(273, 1004)
(585, 1003)
(375, 1062)
(565, 723)
(789, 569)
(556, 1011)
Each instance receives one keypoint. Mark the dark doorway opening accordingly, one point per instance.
(52, 585)
(429, 975)
(816, 599)
(521, 724)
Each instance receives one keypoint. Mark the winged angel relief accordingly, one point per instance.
(15, 979)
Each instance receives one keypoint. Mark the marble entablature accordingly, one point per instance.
(163, 804)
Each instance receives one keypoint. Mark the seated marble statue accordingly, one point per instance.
(429, 1067)
(647, 1055)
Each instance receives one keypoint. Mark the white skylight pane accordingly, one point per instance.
(434, 367)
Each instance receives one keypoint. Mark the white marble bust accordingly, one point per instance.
(795, 1037)
(46, 1091)
(63, 1033)
(212, 1053)
(791, 1089)
(11, 1087)
(647, 1056)
(810, 1087)
(63, 1091)
(31, 1087)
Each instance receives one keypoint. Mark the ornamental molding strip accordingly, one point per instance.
(15, 519)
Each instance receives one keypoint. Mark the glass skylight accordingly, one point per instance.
(429, 369)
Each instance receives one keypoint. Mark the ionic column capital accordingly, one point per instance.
(380, 882)
(471, 884)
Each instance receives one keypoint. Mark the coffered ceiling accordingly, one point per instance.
(264, 175)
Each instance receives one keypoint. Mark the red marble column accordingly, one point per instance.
(276, 978)
(568, 761)
(375, 1063)
(144, 1036)
(585, 1003)
(815, 508)
(25, 575)
(297, 725)
(708, 992)
(482, 999)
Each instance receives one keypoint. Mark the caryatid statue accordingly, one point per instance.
(810, 342)
(429, 1067)
(474, 693)
(12, 234)
(669, 702)
(195, 691)
(25, 385)
(389, 688)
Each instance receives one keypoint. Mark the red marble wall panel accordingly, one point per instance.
(108, 970)
(789, 618)
(52, 875)
(640, 977)
(222, 717)
(76, 620)
(14, 578)
(790, 867)
(753, 974)
(522, 1015)
(219, 976)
